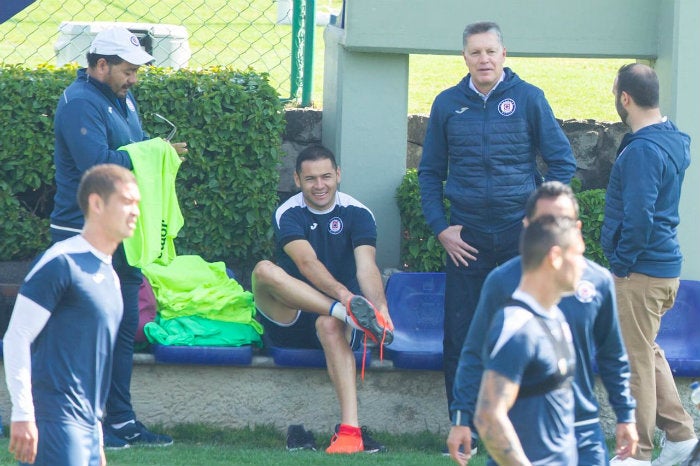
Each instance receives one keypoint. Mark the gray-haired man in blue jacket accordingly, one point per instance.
(482, 140)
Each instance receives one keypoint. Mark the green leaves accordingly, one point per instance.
(591, 205)
(29, 100)
(232, 122)
(420, 250)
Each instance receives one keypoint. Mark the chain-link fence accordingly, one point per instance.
(193, 33)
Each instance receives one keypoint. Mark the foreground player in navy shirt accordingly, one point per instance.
(59, 345)
(592, 317)
(525, 410)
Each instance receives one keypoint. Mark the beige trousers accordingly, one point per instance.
(642, 301)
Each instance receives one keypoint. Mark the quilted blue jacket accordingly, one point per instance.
(486, 152)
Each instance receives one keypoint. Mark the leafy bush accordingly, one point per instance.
(232, 121)
(29, 100)
(420, 249)
(422, 252)
(591, 212)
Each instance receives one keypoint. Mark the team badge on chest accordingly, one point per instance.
(335, 226)
(585, 291)
(506, 107)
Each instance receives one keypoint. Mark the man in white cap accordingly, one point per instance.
(95, 116)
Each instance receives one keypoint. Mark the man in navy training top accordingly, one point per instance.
(311, 299)
(59, 345)
(95, 116)
(482, 140)
(640, 239)
(592, 316)
(525, 409)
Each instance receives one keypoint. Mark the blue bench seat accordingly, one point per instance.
(206, 355)
(679, 335)
(296, 357)
(416, 304)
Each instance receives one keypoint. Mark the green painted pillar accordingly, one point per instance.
(365, 106)
(678, 69)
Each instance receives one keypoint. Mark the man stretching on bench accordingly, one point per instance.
(326, 255)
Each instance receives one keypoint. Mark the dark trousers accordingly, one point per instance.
(119, 407)
(463, 287)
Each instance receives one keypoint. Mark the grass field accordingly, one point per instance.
(575, 87)
(197, 444)
(243, 33)
(264, 445)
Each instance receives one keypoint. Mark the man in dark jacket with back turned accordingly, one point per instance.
(482, 140)
(639, 238)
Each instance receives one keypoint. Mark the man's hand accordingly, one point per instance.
(460, 436)
(180, 147)
(24, 438)
(459, 251)
(626, 439)
(384, 311)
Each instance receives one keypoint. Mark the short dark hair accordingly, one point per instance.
(549, 190)
(480, 28)
(312, 153)
(542, 235)
(640, 82)
(101, 180)
(92, 59)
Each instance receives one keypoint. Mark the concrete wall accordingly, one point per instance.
(396, 401)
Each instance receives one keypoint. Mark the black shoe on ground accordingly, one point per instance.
(112, 442)
(371, 445)
(135, 433)
(299, 438)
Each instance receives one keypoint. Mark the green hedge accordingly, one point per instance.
(592, 210)
(420, 249)
(232, 121)
(422, 252)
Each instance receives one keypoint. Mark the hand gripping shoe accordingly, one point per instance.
(370, 320)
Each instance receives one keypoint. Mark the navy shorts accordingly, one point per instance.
(300, 334)
(67, 444)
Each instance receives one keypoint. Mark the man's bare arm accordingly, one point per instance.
(496, 396)
(370, 279)
(304, 256)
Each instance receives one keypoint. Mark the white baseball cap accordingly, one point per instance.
(121, 42)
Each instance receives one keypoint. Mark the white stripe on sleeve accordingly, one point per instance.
(28, 320)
